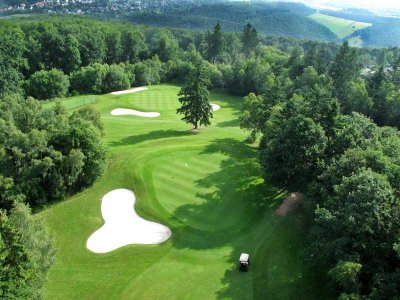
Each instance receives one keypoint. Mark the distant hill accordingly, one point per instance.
(276, 19)
(382, 34)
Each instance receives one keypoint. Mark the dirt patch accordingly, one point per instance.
(290, 203)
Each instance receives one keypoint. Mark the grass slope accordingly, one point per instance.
(76, 102)
(207, 188)
(341, 27)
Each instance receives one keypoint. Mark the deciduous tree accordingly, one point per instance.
(47, 84)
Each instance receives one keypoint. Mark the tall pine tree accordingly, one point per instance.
(249, 39)
(193, 96)
(394, 73)
(295, 63)
(215, 44)
(344, 69)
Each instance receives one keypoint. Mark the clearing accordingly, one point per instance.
(341, 27)
(206, 187)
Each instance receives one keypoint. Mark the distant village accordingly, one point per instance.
(93, 6)
(48, 6)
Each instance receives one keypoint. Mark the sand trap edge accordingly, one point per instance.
(133, 112)
(215, 107)
(130, 91)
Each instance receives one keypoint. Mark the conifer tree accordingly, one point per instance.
(249, 38)
(394, 72)
(344, 69)
(295, 63)
(194, 98)
(215, 44)
(310, 59)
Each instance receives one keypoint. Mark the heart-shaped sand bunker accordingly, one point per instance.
(123, 226)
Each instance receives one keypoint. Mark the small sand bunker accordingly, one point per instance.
(123, 226)
(215, 107)
(132, 112)
(130, 91)
(290, 203)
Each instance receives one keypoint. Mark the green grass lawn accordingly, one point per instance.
(341, 27)
(207, 188)
(76, 102)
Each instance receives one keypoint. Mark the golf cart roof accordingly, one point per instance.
(244, 257)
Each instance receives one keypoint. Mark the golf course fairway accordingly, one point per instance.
(206, 186)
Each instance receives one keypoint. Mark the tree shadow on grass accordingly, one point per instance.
(153, 135)
(237, 196)
(230, 123)
(278, 269)
(239, 213)
(236, 204)
(234, 102)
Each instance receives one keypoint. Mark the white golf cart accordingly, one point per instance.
(244, 262)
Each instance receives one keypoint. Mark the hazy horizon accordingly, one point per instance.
(382, 5)
(373, 5)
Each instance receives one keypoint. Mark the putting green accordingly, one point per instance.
(207, 188)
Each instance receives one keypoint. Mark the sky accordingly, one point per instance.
(378, 5)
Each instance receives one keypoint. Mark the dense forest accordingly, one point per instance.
(316, 116)
(276, 19)
(382, 34)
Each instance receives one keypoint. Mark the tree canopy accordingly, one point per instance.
(26, 252)
(46, 154)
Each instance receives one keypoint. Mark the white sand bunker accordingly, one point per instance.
(132, 112)
(123, 226)
(215, 107)
(130, 91)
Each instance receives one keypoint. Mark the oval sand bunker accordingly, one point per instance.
(215, 107)
(123, 226)
(130, 91)
(132, 112)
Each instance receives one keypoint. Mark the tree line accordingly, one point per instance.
(97, 57)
